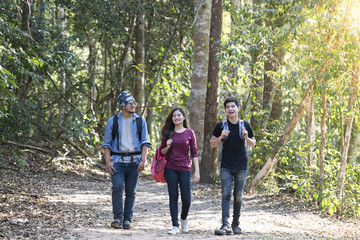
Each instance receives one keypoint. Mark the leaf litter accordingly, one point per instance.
(70, 201)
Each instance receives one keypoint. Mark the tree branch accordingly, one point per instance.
(26, 146)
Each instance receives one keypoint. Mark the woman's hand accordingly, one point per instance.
(169, 142)
(196, 176)
(166, 149)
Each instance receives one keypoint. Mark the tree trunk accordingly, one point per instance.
(282, 140)
(139, 88)
(355, 143)
(26, 24)
(256, 78)
(277, 106)
(91, 70)
(322, 146)
(150, 122)
(310, 123)
(200, 70)
(40, 11)
(121, 65)
(344, 153)
(207, 165)
(341, 115)
(271, 66)
(233, 74)
(164, 58)
(62, 72)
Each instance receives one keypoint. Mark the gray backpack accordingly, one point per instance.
(225, 126)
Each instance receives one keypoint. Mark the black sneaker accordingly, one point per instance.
(117, 224)
(236, 230)
(224, 230)
(127, 224)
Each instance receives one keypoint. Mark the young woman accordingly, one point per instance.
(176, 134)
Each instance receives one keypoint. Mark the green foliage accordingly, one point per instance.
(292, 175)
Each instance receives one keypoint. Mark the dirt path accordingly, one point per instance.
(73, 202)
(263, 217)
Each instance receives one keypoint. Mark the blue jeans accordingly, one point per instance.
(175, 178)
(125, 178)
(228, 176)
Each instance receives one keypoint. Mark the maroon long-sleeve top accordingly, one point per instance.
(179, 158)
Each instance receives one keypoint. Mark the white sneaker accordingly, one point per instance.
(174, 230)
(184, 226)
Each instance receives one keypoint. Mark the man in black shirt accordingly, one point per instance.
(232, 134)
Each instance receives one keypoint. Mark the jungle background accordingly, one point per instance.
(294, 66)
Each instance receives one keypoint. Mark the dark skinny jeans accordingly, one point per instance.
(175, 178)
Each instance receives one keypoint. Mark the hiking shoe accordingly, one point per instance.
(174, 230)
(236, 230)
(184, 226)
(117, 224)
(127, 224)
(224, 230)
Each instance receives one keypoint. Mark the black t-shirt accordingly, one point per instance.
(234, 154)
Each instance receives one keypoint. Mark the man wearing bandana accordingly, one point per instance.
(125, 156)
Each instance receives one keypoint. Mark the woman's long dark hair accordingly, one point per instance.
(167, 129)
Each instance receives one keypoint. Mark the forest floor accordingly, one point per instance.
(70, 201)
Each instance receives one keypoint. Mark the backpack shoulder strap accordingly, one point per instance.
(115, 126)
(241, 126)
(139, 125)
(225, 125)
(114, 130)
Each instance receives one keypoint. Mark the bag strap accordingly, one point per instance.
(115, 127)
(241, 126)
(225, 126)
(139, 125)
(168, 153)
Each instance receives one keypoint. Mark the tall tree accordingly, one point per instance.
(62, 72)
(26, 26)
(256, 66)
(354, 90)
(200, 69)
(310, 124)
(322, 145)
(355, 142)
(272, 96)
(139, 92)
(270, 163)
(91, 67)
(208, 163)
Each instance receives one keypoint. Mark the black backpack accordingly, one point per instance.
(115, 127)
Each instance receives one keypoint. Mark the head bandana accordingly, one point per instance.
(125, 98)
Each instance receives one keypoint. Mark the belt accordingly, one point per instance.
(125, 154)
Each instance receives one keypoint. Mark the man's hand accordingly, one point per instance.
(141, 166)
(225, 133)
(244, 133)
(110, 167)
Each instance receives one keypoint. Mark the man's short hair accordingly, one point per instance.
(231, 99)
